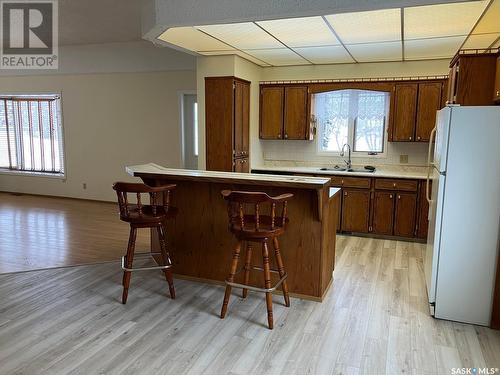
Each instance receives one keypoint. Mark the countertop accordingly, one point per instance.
(418, 173)
(152, 170)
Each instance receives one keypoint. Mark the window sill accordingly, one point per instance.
(60, 176)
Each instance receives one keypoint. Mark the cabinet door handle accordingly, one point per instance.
(399, 196)
(286, 136)
(390, 196)
(409, 138)
(394, 185)
(342, 182)
(345, 193)
(419, 138)
(279, 135)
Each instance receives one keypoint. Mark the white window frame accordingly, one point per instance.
(33, 173)
(350, 135)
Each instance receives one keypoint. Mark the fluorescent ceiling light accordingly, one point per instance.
(365, 27)
(384, 51)
(278, 56)
(325, 54)
(192, 39)
(246, 35)
(434, 48)
(237, 53)
(301, 32)
(442, 20)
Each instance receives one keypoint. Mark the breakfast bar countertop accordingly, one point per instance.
(417, 173)
(153, 169)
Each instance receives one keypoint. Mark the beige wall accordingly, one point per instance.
(110, 121)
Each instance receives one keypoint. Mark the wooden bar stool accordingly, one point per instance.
(256, 227)
(153, 215)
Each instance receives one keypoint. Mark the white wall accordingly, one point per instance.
(110, 120)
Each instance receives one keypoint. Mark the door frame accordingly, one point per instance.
(180, 96)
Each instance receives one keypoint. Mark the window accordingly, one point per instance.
(31, 134)
(356, 117)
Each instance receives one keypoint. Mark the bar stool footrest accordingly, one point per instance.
(144, 255)
(254, 288)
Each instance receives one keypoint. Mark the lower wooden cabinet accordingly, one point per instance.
(355, 210)
(405, 214)
(383, 213)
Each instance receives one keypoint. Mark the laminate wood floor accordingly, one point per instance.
(374, 321)
(40, 232)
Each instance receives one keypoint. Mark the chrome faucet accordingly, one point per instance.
(342, 154)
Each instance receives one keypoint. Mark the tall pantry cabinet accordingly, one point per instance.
(227, 117)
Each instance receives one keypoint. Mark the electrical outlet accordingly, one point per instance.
(84, 186)
(403, 159)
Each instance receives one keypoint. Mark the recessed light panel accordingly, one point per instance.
(278, 56)
(490, 22)
(384, 51)
(325, 54)
(246, 35)
(434, 48)
(192, 39)
(365, 27)
(234, 52)
(301, 32)
(442, 20)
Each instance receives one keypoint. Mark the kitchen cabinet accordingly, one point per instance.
(405, 109)
(355, 210)
(405, 212)
(227, 111)
(496, 94)
(271, 112)
(429, 102)
(423, 210)
(383, 213)
(284, 112)
(472, 78)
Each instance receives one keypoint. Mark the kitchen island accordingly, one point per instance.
(201, 245)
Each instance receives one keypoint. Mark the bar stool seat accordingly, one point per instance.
(154, 216)
(260, 228)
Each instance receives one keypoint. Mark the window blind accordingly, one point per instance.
(31, 133)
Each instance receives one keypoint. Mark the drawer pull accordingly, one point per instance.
(345, 193)
(390, 196)
(394, 185)
(399, 196)
(342, 182)
(286, 136)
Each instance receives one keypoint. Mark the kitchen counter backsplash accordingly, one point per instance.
(304, 153)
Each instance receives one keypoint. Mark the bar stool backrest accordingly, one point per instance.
(239, 214)
(155, 193)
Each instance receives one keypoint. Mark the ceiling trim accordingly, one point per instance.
(338, 38)
(477, 23)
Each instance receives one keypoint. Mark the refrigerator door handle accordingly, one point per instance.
(429, 165)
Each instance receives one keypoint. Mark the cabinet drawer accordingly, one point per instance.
(391, 184)
(355, 182)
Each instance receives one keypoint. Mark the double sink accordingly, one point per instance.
(340, 169)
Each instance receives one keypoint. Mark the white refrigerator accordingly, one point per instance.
(464, 213)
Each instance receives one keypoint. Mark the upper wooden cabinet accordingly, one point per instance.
(227, 104)
(414, 110)
(472, 78)
(284, 112)
(429, 102)
(405, 109)
(271, 112)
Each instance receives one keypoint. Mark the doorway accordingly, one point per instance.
(189, 123)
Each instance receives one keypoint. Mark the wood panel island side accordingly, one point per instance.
(201, 245)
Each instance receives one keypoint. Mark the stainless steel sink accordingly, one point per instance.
(340, 169)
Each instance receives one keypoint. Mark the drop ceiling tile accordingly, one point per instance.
(277, 56)
(490, 22)
(442, 20)
(364, 27)
(384, 51)
(433, 48)
(301, 32)
(245, 35)
(234, 52)
(325, 54)
(192, 39)
(480, 40)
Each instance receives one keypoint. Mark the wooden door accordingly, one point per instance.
(355, 210)
(241, 118)
(404, 218)
(429, 102)
(241, 165)
(404, 115)
(383, 212)
(423, 211)
(296, 109)
(271, 112)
